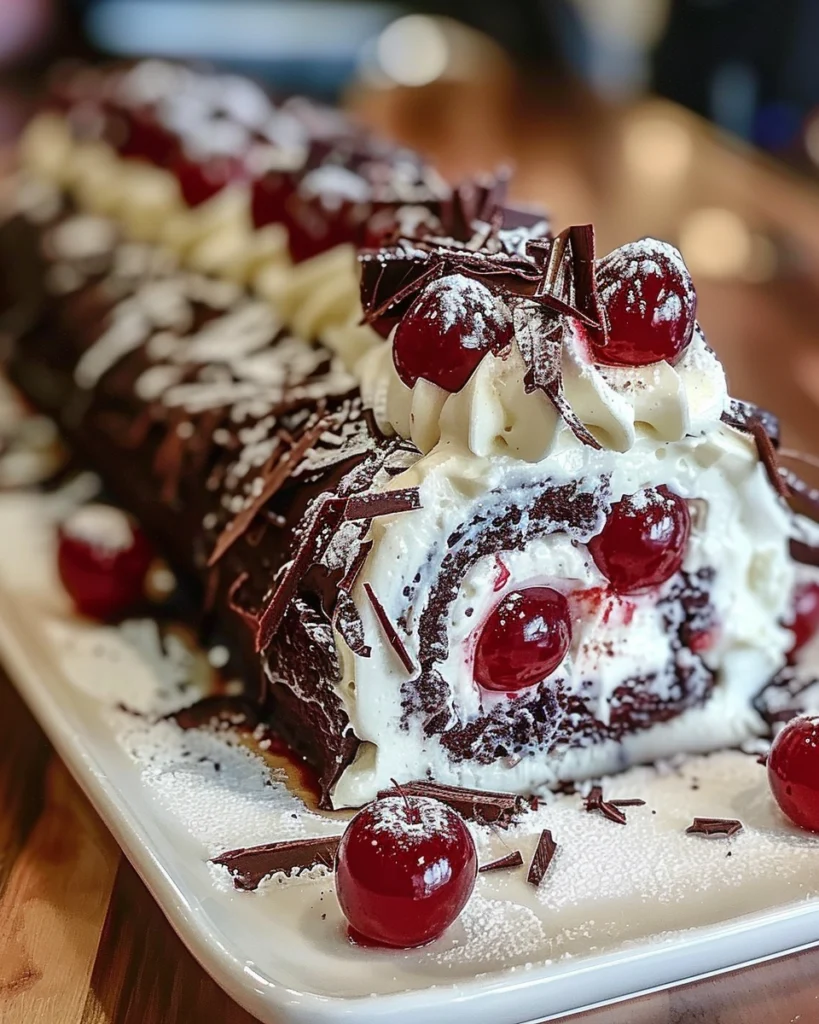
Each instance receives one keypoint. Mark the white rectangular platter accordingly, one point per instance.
(622, 910)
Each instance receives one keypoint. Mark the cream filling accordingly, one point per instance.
(318, 298)
(743, 536)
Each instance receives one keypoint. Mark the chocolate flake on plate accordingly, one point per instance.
(390, 631)
(608, 808)
(714, 827)
(486, 808)
(511, 860)
(250, 865)
(544, 854)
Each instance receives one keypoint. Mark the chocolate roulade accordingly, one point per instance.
(519, 536)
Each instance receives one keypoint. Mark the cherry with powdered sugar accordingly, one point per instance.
(524, 640)
(447, 331)
(793, 771)
(643, 541)
(103, 560)
(649, 302)
(405, 868)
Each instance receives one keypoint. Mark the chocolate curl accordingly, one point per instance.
(275, 474)
(390, 631)
(312, 546)
(542, 860)
(250, 865)
(540, 339)
(383, 503)
(714, 827)
(511, 860)
(484, 807)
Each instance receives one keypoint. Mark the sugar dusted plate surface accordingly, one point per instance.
(622, 909)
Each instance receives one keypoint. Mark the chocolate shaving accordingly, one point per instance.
(741, 415)
(233, 602)
(385, 503)
(511, 860)
(487, 808)
(763, 760)
(751, 420)
(274, 474)
(714, 827)
(802, 492)
(544, 854)
(250, 865)
(805, 554)
(608, 808)
(390, 631)
(767, 456)
(311, 547)
(631, 802)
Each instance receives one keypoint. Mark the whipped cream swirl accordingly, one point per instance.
(493, 414)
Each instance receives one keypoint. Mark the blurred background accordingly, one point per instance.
(692, 120)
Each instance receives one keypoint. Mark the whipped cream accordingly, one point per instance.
(739, 543)
(494, 415)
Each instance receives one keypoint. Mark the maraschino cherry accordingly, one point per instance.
(524, 640)
(103, 560)
(649, 301)
(793, 771)
(644, 540)
(805, 616)
(448, 330)
(199, 180)
(405, 869)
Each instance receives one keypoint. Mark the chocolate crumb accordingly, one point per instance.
(544, 854)
(511, 860)
(763, 760)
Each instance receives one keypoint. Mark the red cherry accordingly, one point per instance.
(805, 615)
(268, 197)
(793, 771)
(643, 542)
(142, 136)
(201, 179)
(103, 559)
(650, 303)
(448, 330)
(405, 869)
(524, 640)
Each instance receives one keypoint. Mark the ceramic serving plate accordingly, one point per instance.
(623, 909)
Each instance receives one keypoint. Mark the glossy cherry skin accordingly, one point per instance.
(405, 868)
(649, 302)
(805, 616)
(793, 771)
(643, 541)
(144, 137)
(199, 180)
(524, 640)
(448, 330)
(103, 563)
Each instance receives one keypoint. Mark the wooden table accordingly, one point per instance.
(81, 940)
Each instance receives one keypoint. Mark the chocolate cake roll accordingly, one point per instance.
(519, 535)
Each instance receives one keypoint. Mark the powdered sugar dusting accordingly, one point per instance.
(101, 527)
